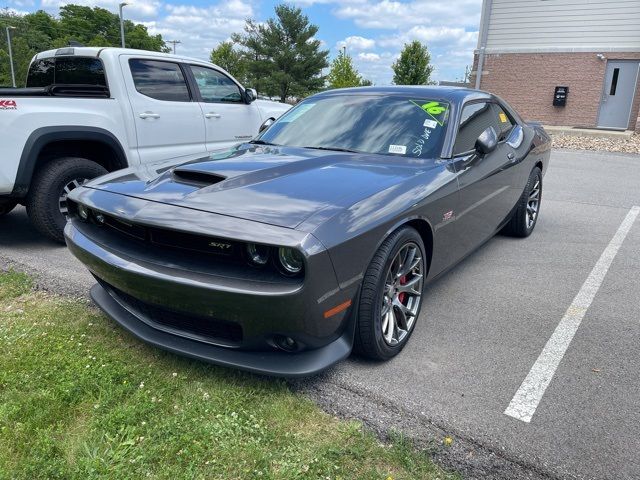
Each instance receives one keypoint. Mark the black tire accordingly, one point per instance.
(6, 207)
(47, 187)
(520, 224)
(369, 338)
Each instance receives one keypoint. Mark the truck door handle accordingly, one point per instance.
(144, 115)
(212, 115)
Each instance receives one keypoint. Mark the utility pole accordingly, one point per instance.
(13, 75)
(123, 4)
(174, 42)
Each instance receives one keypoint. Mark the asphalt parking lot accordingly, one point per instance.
(486, 327)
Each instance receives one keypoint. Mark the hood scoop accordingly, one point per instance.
(196, 177)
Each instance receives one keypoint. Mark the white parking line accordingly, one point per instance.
(527, 398)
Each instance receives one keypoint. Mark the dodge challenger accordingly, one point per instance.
(283, 254)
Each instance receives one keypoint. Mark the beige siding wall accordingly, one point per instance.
(564, 25)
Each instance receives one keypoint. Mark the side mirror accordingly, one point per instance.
(487, 141)
(266, 124)
(250, 95)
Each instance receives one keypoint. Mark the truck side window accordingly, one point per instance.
(159, 80)
(66, 71)
(216, 87)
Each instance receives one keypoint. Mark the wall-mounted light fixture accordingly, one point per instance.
(601, 56)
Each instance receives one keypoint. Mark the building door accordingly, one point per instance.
(617, 97)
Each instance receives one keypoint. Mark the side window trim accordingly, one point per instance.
(180, 65)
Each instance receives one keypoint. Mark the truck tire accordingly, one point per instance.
(46, 202)
(6, 206)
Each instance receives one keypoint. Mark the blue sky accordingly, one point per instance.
(374, 31)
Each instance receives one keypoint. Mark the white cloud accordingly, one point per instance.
(368, 57)
(389, 14)
(200, 29)
(138, 10)
(356, 43)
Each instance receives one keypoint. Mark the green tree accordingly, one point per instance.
(413, 67)
(38, 31)
(232, 60)
(283, 55)
(342, 73)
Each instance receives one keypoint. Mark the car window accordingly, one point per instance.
(159, 80)
(503, 122)
(215, 86)
(476, 118)
(398, 125)
(66, 71)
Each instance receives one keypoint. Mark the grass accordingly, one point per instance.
(80, 398)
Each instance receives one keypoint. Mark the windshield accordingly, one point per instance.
(390, 125)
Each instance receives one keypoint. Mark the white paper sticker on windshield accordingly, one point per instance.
(430, 123)
(401, 149)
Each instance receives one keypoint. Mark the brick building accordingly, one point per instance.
(590, 48)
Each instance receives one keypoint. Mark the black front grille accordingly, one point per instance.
(175, 240)
(192, 325)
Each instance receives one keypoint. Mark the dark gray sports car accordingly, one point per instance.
(282, 254)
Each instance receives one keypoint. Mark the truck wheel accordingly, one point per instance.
(47, 200)
(6, 207)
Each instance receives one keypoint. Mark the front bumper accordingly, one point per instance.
(198, 313)
(281, 364)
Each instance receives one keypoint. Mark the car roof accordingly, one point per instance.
(452, 94)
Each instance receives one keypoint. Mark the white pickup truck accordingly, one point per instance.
(88, 111)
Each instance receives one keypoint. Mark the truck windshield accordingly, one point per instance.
(66, 71)
(381, 124)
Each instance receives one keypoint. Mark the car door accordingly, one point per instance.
(228, 118)
(168, 121)
(486, 182)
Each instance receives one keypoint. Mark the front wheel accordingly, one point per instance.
(391, 295)
(527, 210)
(47, 200)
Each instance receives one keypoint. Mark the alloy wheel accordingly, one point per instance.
(62, 201)
(402, 294)
(533, 204)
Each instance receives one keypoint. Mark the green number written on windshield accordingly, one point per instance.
(434, 109)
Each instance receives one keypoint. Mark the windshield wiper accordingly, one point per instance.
(262, 142)
(334, 149)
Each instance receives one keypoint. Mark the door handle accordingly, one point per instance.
(212, 115)
(145, 115)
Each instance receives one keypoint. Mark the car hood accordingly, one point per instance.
(280, 186)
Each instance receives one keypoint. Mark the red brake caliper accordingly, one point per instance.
(402, 295)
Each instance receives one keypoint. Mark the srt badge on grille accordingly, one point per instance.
(220, 246)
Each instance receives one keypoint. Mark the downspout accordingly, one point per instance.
(482, 41)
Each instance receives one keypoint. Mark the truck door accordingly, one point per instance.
(228, 119)
(168, 120)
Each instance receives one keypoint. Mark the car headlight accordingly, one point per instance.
(258, 254)
(291, 259)
(83, 212)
